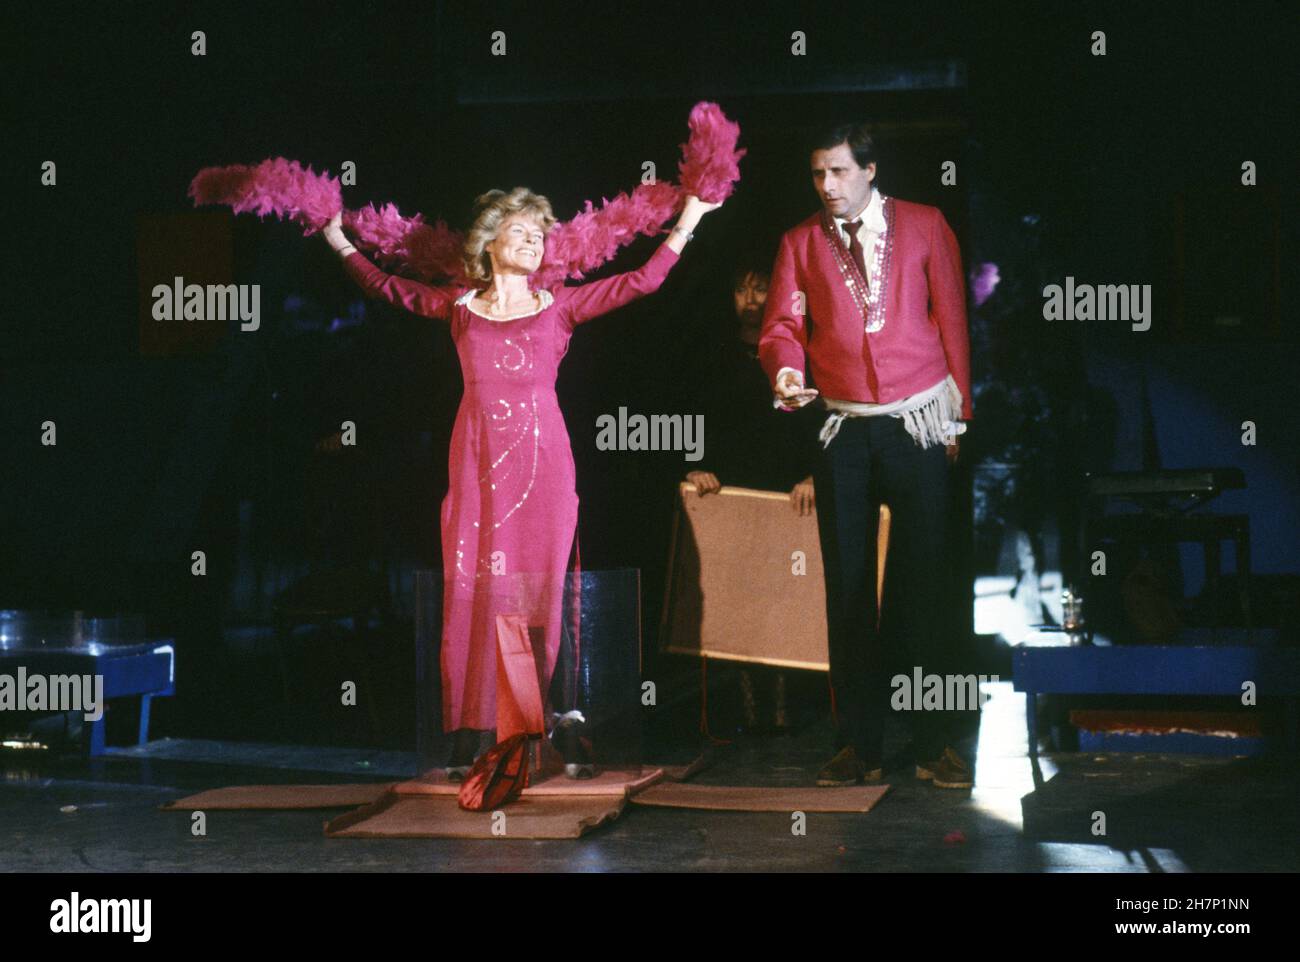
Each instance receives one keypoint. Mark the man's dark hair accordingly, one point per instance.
(744, 269)
(857, 136)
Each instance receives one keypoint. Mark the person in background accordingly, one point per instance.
(749, 444)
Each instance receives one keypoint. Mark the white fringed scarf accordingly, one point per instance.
(931, 417)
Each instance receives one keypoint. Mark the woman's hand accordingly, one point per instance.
(692, 210)
(333, 232)
(697, 208)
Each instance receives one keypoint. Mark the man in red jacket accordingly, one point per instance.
(870, 291)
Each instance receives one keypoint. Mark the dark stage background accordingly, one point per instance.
(1116, 169)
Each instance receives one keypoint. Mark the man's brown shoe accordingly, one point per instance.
(949, 770)
(847, 768)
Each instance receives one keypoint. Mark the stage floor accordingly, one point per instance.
(1165, 814)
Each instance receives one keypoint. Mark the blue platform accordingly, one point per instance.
(147, 670)
(1156, 670)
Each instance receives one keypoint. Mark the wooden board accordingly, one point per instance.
(732, 589)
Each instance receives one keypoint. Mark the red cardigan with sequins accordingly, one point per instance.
(924, 337)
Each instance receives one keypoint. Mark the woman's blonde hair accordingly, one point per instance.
(490, 210)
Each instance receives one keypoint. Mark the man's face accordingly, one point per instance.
(842, 185)
(750, 295)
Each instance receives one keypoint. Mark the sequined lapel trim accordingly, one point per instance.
(870, 300)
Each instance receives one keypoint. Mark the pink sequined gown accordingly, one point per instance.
(509, 520)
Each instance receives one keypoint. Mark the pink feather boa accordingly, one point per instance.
(709, 168)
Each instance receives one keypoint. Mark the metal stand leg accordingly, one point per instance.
(97, 736)
(1211, 589)
(1243, 579)
(1031, 722)
(144, 719)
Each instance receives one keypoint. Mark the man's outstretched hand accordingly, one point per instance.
(789, 390)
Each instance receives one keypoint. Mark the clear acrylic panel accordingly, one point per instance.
(597, 669)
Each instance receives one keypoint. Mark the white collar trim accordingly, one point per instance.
(873, 216)
(546, 298)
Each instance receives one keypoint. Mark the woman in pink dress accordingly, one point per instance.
(509, 519)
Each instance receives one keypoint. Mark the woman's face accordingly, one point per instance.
(518, 246)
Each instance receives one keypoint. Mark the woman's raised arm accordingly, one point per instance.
(422, 299)
(582, 303)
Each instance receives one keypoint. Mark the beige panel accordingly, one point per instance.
(731, 589)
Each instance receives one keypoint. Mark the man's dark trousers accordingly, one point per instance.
(873, 460)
